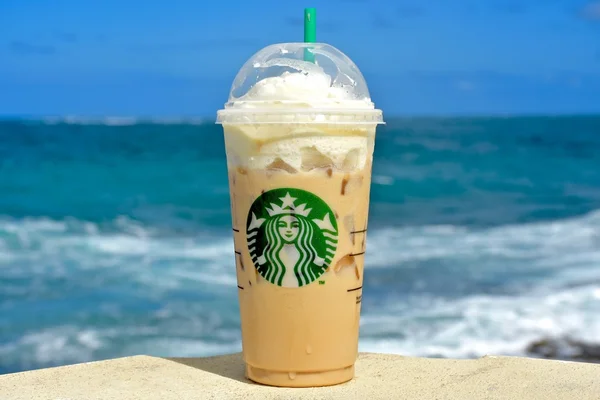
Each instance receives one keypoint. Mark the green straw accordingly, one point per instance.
(310, 32)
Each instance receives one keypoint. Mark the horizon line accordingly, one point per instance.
(205, 118)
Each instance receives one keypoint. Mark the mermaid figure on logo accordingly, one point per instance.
(289, 257)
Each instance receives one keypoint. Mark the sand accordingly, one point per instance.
(378, 376)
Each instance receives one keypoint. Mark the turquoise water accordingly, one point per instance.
(115, 238)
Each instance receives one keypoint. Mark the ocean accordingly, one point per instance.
(115, 238)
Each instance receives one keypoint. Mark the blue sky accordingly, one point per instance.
(159, 58)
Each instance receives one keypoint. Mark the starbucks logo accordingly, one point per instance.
(292, 236)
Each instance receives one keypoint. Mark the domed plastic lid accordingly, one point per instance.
(299, 82)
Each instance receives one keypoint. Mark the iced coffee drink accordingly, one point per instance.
(299, 138)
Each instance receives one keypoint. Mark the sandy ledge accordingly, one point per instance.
(378, 376)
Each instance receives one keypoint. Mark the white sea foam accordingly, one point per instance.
(121, 120)
(52, 262)
(475, 326)
(382, 180)
(564, 298)
(48, 249)
(54, 346)
(561, 245)
(70, 344)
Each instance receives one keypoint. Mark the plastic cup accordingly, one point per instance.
(299, 138)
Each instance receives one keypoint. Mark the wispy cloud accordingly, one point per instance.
(510, 7)
(410, 10)
(193, 46)
(24, 48)
(574, 82)
(66, 37)
(465, 85)
(506, 7)
(100, 38)
(382, 22)
(591, 11)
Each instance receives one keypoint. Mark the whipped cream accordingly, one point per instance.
(287, 113)
(300, 146)
(278, 86)
(300, 89)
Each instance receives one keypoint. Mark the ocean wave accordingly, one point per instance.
(70, 344)
(578, 239)
(564, 244)
(475, 326)
(562, 298)
(122, 121)
(102, 292)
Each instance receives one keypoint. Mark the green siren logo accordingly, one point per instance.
(292, 236)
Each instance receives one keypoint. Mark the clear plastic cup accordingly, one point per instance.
(299, 138)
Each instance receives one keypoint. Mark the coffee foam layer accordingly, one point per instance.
(298, 151)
